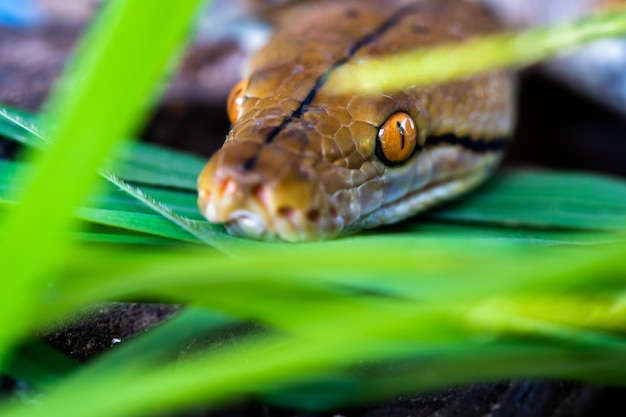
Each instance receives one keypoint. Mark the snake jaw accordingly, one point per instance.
(292, 208)
(247, 224)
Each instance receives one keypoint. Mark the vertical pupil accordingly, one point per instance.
(401, 130)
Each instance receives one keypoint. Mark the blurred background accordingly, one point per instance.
(572, 110)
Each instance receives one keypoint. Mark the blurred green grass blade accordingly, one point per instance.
(271, 363)
(161, 344)
(431, 228)
(136, 213)
(360, 326)
(479, 54)
(96, 104)
(212, 235)
(125, 239)
(157, 174)
(369, 383)
(19, 127)
(150, 224)
(135, 162)
(310, 277)
(139, 222)
(139, 175)
(153, 165)
(181, 202)
(541, 199)
(184, 203)
(25, 118)
(153, 168)
(407, 377)
(40, 365)
(551, 208)
(126, 228)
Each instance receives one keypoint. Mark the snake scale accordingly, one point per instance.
(304, 163)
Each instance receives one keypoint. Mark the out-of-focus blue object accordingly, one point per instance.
(19, 13)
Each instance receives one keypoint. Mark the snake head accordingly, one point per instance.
(304, 163)
(268, 193)
(280, 177)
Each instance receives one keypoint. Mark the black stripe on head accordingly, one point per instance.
(474, 145)
(321, 80)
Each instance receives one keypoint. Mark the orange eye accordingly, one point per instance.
(396, 138)
(235, 100)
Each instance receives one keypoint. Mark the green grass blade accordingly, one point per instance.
(547, 207)
(96, 104)
(308, 277)
(152, 166)
(160, 344)
(112, 198)
(20, 127)
(136, 213)
(40, 365)
(125, 239)
(212, 235)
(421, 230)
(139, 222)
(135, 162)
(535, 198)
(273, 362)
(480, 54)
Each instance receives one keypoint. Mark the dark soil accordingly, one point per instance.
(557, 128)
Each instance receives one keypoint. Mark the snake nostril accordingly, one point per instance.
(228, 186)
(333, 212)
(260, 193)
(204, 194)
(288, 212)
(313, 215)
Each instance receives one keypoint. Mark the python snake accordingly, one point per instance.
(304, 163)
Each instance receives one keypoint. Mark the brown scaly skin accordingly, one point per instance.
(316, 174)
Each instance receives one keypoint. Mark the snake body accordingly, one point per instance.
(303, 163)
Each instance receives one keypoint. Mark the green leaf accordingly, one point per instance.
(152, 165)
(20, 127)
(140, 222)
(479, 54)
(164, 342)
(40, 365)
(545, 199)
(96, 104)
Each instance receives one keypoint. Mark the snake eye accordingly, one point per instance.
(396, 138)
(235, 100)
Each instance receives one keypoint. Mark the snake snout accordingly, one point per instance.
(288, 204)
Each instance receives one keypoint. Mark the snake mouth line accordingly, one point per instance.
(262, 226)
(438, 187)
(423, 198)
(251, 225)
(459, 183)
(468, 143)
